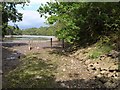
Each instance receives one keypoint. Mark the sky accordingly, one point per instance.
(31, 18)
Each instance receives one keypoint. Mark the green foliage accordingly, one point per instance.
(11, 30)
(83, 22)
(10, 13)
(94, 54)
(49, 31)
(100, 50)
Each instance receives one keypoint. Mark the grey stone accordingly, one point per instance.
(110, 85)
(110, 74)
(99, 75)
(1, 72)
(113, 54)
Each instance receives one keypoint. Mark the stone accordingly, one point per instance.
(96, 72)
(11, 58)
(99, 75)
(103, 72)
(116, 74)
(90, 68)
(96, 65)
(37, 47)
(89, 48)
(110, 74)
(63, 84)
(1, 72)
(87, 61)
(72, 61)
(90, 65)
(113, 54)
(104, 67)
(64, 70)
(38, 77)
(114, 67)
(103, 79)
(110, 85)
(30, 48)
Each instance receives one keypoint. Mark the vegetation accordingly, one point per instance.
(84, 23)
(11, 30)
(96, 25)
(33, 72)
(49, 31)
(100, 50)
(10, 13)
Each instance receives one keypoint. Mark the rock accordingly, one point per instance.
(38, 77)
(110, 85)
(96, 65)
(14, 50)
(72, 61)
(90, 65)
(63, 84)
(103, 72)
(110, 74)
(99, 75)
(87, 61)
(1, 72)
(104, 67)
(116, 74)
(96, 72)
(103, 79)
(11, 58)
(89, 48)
(102, 57)
(114, 67)
(113, 54)
(30, 48)
(37, 47)
(64, 70)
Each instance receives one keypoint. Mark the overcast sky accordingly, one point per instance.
(31, 18)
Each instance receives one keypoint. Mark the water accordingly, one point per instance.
(8, 38)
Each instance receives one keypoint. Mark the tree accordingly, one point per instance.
(10, 13)
(83, 22)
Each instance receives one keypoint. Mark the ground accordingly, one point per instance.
(46, 67)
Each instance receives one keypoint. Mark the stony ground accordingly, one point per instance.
(47, 67)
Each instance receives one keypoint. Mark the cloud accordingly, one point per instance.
(30, 19)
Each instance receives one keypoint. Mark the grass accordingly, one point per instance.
(100, 50)
(33, 72)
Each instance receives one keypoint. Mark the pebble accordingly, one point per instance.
(1, 72)
(64, 69)
(87, 61)
(11, 58)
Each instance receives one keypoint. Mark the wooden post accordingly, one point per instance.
(63, 45)
(51, 41)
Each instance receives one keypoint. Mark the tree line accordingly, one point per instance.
(48, 31)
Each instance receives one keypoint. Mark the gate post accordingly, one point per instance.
(63, 44)
(51, 42)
